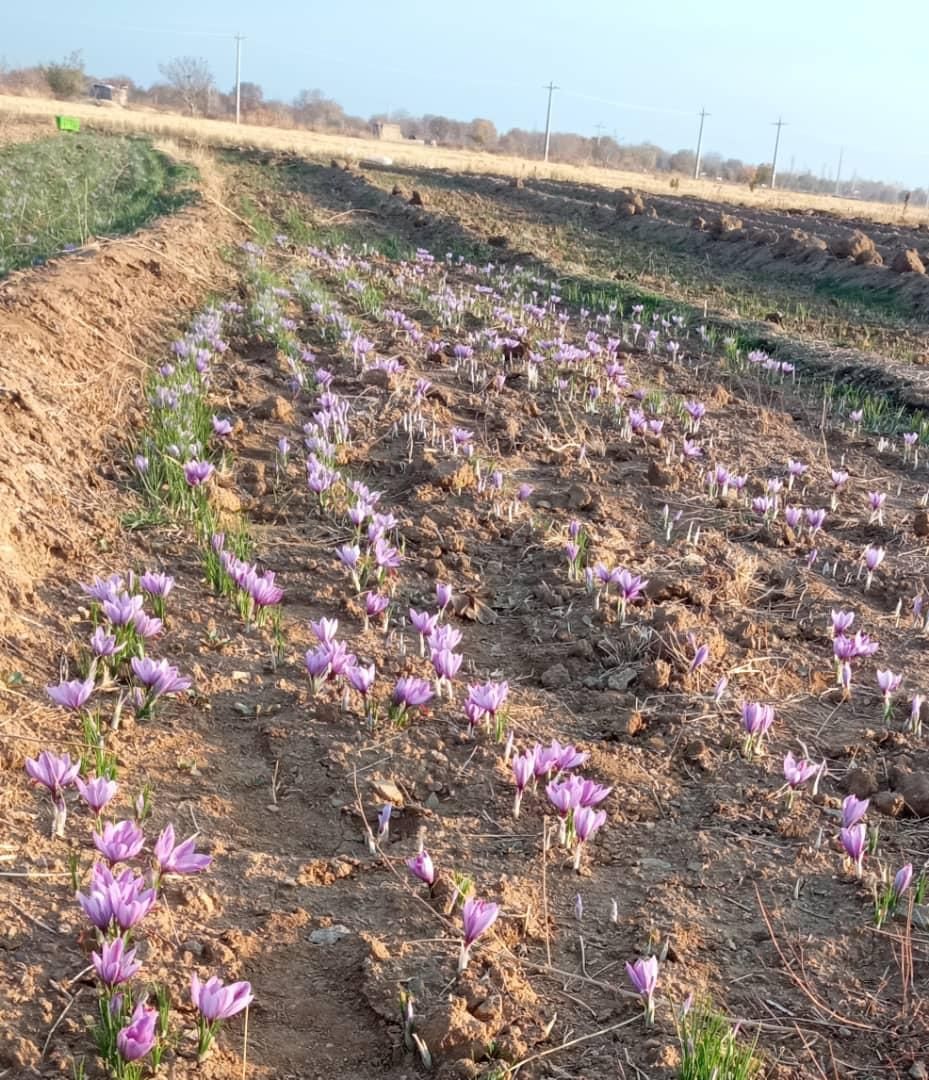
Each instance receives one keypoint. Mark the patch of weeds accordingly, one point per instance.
(710, 1047)
(55, 194)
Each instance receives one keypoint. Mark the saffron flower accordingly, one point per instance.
(421, 866)
(71, 695)
(477, 917)
(523, 771)
(796, 773)
(586, 822)
(180, 858)
(873, 557)
(853, 810)
(113, 963)
(841, 621)
(97, 792)
(701, 653)
(643, 975)
(425, 625)
(55, 772)
(103, 644)
(215, 1003)
(443, 595)
(159, 678)
(119, 842)
(888, 683)
(756, 720)
(137, 1038)
(197, 473)
(410, 693)
(902, 880)
(854, 840)
(156, 584)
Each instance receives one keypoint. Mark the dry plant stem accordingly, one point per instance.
(61, 1016)
(548, 942)
(245, 1046)
(574, 1042)
(800, 983)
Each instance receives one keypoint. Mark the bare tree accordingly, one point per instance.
(192, 79)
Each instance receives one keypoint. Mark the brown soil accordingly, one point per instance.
(699, 853)
(76, 340)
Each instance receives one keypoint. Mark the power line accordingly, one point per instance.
(551, 88)
(703, 115)
(779, 123)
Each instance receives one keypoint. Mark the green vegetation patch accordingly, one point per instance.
(57, 193)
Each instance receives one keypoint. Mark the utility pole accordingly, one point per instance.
(599, 128)
(703, 115)
(238, 76)
(838, 170)
(779, 123)
(551, 88)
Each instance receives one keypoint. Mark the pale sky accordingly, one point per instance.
(849, 73)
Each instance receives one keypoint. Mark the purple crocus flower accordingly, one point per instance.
(853, 810)
(53, 771)
(158, 677)
(197, 472)
(842, 621)
(217, 1002)
(411, 692)
(121, 609)
(643, 975)
(757, 720)
(146, 626)
(477, 917)
(421, 866)
(375, 604)
(156, 584)
(119, 842)
(443, 595)
(586, 822)
(137, 1038)
(798, 771)
(361, 679)
(103, 644)
(524, 491)
(180, 858)
(902, 880)
(97, 792)
(71, 695)
(446, 663)
(523, 771)
(854, 840)
(113, 963)
(701, 654)
(221, 427)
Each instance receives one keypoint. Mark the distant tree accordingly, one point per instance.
(251, 97)
(192, 79)
(683, 162)
(482, 133)
(438, 128)
(762, 177)
(313, 109)
(67, 79)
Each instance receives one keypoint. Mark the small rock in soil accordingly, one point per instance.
(555, 677)
(890, 803)
(862, 783)
(329, 935)
(921, 523)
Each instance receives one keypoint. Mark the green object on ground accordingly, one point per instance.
(68, 123)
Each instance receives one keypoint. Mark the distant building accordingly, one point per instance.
(387, 132)
(116, 95)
